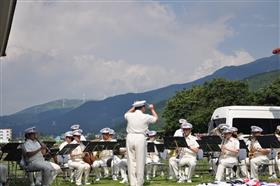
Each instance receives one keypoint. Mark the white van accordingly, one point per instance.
(243, 117)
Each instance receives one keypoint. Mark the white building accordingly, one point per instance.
(5, 135)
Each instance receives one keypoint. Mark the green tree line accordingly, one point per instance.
(198, 103)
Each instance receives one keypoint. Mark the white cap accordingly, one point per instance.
(68, 134)
(75, 127)
(234, 129)
(105, 130)
(278, 127)
(139, 103)
(30, 130)
(227, 130)
(186, 126)
(223, 126)
(111, 132)
(182, 121)
(151, 133)
(76, 133)
(256, 129)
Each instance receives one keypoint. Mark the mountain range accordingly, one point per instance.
(94, 115)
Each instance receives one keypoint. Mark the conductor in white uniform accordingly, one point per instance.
(137, 126)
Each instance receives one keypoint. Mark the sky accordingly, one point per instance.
(96, 49)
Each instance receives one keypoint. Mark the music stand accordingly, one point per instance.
(85, 143)
(210, 143)
(175, 142)
(160, 147)
(67, 149)
(242, 145)
(49, 144)
(122, 143)
(268, 142)
(151, 147)
(9, 148)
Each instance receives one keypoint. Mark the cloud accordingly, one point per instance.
(66, 50)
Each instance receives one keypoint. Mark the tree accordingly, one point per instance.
(269, 95)
(198, 103)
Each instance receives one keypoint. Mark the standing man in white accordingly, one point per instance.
(137, 126)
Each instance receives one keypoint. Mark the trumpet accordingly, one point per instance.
(252, 150)
(44, 147)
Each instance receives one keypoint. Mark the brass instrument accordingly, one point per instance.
(252, 150)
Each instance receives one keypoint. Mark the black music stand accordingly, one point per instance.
(67, 149)
(175, 142)
(269, 141)
(9, 148)
(160, 147)
(150, 147)
(85, 143)
(49, 144)
(122, 143)
(210, 143)
(101, 145)
(242, 145)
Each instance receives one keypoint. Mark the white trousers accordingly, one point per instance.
(123, 168)
(100, 163)
(176, 165)
(81, 168)
(136, 158)
(49, 170)
(255, 163)
(223, 164)
(3, 174)
(150, 167)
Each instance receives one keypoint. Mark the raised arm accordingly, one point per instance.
(152, 109)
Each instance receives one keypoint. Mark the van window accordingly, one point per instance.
(244, 124)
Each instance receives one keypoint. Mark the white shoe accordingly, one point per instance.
(148, 178)
(78, 184)
(87, 183)
(97, 179)
(272, 176)
(114, 177)
(32, 184)
(170, 178)
(181, 180)
(124, 181)
(189, 181)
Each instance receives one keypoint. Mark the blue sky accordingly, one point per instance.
(93, 49)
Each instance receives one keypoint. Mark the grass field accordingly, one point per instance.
(203, 176)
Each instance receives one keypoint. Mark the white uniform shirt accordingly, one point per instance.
(178, 133)
(256, 145)
(191, 141)
(232, 143)
(83, 138)
(31, 146)
(62, 145)
(137, 122)
(79, 151)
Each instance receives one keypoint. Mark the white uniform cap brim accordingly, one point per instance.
(152, 133)
(278, 127)
(30, 130)
(182, 121)
(233, 129)
(186, 126)
(139, 103)
(68, 134)
(256, 129)
(227, 131)
(105, 130)
(75, 127)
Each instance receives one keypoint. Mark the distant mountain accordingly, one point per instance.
(261, 80)
(94, 115)
(56, 117)
(31, 116)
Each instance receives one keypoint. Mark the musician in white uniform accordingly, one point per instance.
(152, 157)
(33, 153)
(104, 156)
(76, 160)
(68, 138)
(259, 156)
(277, 134)
(187, 156)
(77, 127)
(137, 125)
(3, 174)
(179, 132)
(229, 152)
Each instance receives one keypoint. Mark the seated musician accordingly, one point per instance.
(187, 156)
(179, 132)
(229, 152)
(257, 155)
(33, 152)
(77, 127)
(152, 157)
(68, 138)
(3, 174)
(272, 167)
(104, 156)
(76, 160)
